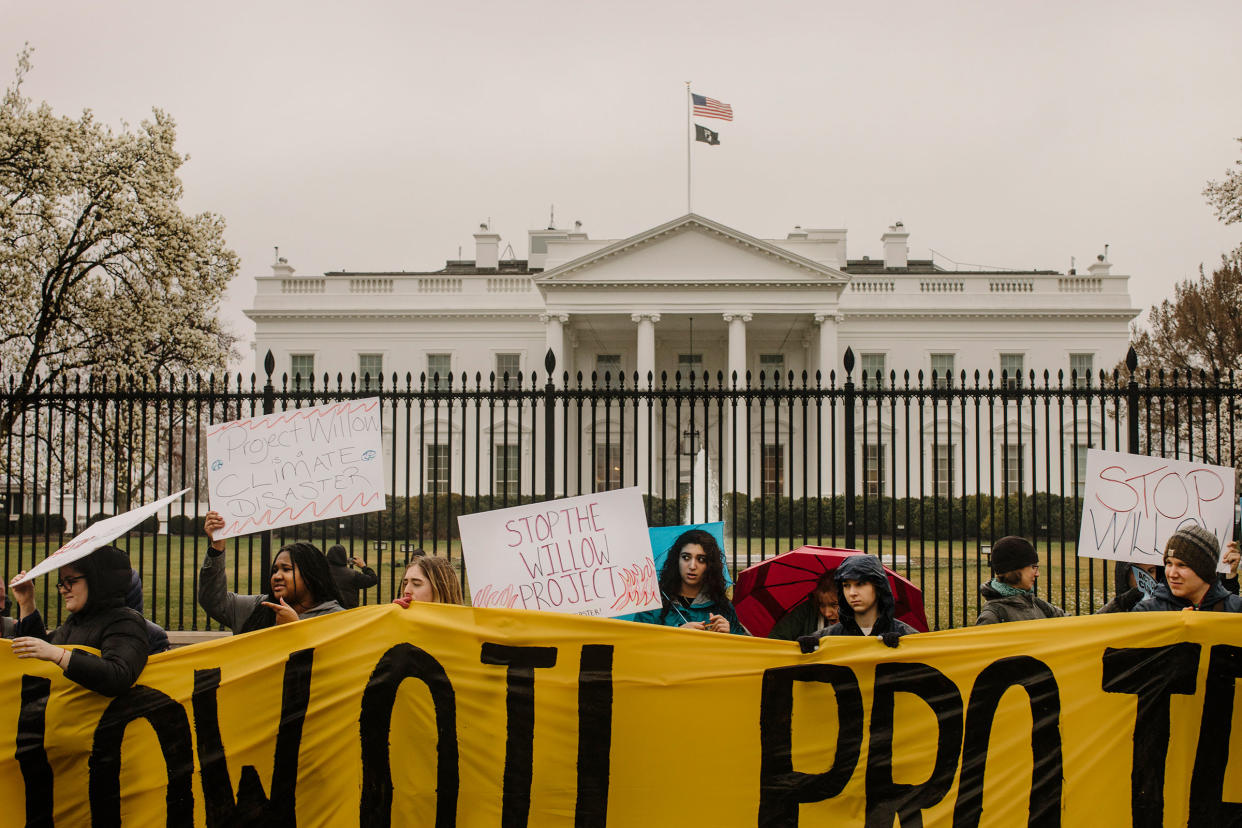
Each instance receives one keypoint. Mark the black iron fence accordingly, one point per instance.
(925, 471)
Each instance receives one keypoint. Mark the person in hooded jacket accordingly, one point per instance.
(866, 604)
(1010, 595)
(348, 581)
(301, 586)
(1190, 578)
(93, 589)
(133, 599)
(692, 586)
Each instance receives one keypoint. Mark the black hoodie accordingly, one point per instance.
(105, 623)
(866, 568)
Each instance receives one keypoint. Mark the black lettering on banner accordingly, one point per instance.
(30, 754)
(400, 662)
(520, 710)
(1208, 807)
(594, 735)
(1033, 676)
(781, 788)
(1153, 674)
(886, 798)
(172, 728)
(252, 807)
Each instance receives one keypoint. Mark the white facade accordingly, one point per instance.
(691, 287)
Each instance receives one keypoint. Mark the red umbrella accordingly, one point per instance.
(767, 591)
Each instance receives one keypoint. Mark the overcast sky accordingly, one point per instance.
(376, 136)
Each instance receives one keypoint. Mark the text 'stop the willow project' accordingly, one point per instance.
(588, 555)
(1133, 504)
(296, 466)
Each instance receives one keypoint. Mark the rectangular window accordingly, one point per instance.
(510, 364)
(437, 455)
(773, 469)
(1078, 468)
(301, 371)
(872, 365)
(370, 370)
(772, 366)
(439, 369)
(690, 364)
(944, 471)
(1012, 461)
(1011, 370)
(508, 471)
(608, 364)
(942, 369)
(1081, 368)
(873, 471)
(607, 466)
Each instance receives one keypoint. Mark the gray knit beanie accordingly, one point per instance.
(1197, 548)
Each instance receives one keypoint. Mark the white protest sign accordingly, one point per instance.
(296, 466)
(1134, 503)
(98, 534)
(588, 555)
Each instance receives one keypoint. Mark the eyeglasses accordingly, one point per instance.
(66, 584)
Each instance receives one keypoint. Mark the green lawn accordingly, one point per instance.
(948, 574)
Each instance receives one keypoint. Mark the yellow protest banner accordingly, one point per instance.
(444, 715)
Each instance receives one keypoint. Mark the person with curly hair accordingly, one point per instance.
(692, 588)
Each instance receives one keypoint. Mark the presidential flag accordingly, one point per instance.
(706, 107)
(702, 133)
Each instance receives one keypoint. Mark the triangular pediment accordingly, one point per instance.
(691, 250)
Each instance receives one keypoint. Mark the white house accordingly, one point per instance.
(689, 295)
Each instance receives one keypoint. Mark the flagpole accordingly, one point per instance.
(689, 143)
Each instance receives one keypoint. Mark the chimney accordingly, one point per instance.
(281, 268)
(1100, 266)
(896, 251)
(486, 248)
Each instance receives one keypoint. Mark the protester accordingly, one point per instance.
(818, 611)
(866, 606)
(1133, 582)
(1191, 581)
(348, 582)
(133, 599)
(93, 590)
(1011, 594)
(692, 586)
(429, 579)
(301, 586)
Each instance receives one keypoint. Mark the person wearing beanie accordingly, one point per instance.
(1010, 595)
(93, 589)
(1190, 579)
(349, 581)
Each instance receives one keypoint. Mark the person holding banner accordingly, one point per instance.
(820, 610)
(93, 590)
(692, 588)
(1191, 581)
(1010, 595)
(301, 586)
(430, 580)
(866, 607)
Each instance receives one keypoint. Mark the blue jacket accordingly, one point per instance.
(699, 610)
(1217, 599)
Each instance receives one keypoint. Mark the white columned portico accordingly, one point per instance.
(554, 337)
(644, 359)
(737, 346)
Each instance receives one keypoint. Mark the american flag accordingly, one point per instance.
(706, 107)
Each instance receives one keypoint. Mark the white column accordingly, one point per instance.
(554, 336)
(737, 366)
(829, 361)
(644, 364)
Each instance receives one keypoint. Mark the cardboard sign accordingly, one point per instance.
(296, 466)
(1133, 504)
(96, 535)
(588, 555)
